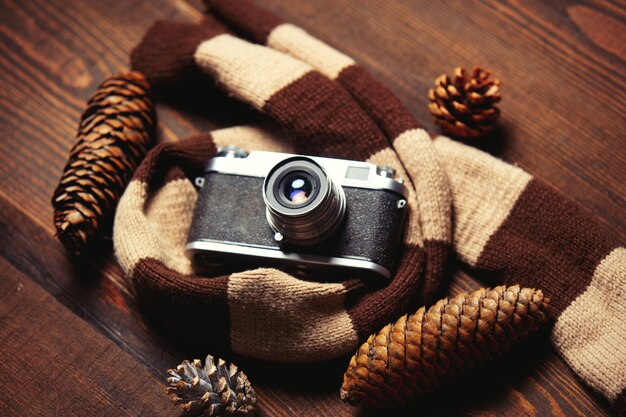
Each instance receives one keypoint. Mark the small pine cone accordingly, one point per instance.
(115, 132)
(417, 353)
(464, 107)
(212, 390)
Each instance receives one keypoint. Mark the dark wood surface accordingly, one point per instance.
(72, 340)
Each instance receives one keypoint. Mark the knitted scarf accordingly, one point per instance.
(506, 225)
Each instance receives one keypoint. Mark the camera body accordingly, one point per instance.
(300, 213)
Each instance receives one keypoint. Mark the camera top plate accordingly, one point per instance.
(344, 172)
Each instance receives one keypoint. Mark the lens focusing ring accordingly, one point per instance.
(309, 223)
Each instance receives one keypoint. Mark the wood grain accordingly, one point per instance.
(563, 70)
(53, 363)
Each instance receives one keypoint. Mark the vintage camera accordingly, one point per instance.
(300, 213)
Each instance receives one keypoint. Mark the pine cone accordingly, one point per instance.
(464, 107)
(417, 353)
(114, 134)
(211, 391)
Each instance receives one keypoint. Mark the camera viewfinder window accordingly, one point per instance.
(358, 173)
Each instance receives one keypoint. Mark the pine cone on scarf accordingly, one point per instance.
(464, 105)
(419, 352)
(214, 390)
(114, 134)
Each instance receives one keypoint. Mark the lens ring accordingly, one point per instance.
(306, 221)
(271, 193)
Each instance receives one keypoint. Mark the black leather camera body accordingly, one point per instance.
(300, 213)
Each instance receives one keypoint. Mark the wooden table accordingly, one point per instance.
(72, 341)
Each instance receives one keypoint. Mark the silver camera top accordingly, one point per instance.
(236, 161)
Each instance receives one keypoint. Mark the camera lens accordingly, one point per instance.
(303, 204)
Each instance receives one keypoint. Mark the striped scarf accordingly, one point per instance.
(506, 225)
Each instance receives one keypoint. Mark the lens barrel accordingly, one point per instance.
(302, 202)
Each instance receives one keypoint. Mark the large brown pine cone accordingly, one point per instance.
(114, 134)
(419, 352)
(464, 105)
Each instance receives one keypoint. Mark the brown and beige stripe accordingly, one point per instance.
(286, 89)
